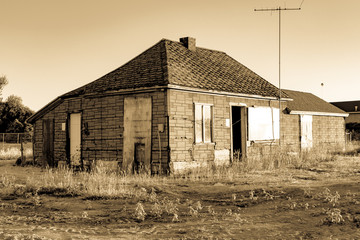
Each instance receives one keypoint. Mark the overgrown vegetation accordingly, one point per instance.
(354, 130)
(238, 198)
(13, 151)
(102, 182)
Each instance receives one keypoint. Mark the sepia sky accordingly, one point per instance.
(48, 48)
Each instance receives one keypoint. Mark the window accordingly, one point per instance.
(203, 123)
(263, 123)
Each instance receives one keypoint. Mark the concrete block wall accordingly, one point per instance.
(328, 132)
(290, 132)
(184, 152)
(102, 128)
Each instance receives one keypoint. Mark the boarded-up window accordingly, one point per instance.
(263, 123)
(203, 123)
(207, 123)
(198, 123)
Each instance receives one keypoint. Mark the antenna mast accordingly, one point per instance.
(279, 9)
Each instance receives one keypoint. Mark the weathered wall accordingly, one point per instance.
(103, 127)
(184, 152)
(290, 132)
(328, 132)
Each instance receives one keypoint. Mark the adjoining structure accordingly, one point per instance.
(177, 106)
(352, 108)
(318, 123)
(353, 121)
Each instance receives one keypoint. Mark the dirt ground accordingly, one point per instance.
(314, 203)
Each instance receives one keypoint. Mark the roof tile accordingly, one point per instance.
(169, 62)
(303, 101)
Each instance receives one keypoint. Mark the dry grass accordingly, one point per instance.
(104, 183)
(275, 196)
(99, 183)
(266, 162)
(12, 151)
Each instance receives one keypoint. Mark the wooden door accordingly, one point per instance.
(137, 132)
(306, 132)
(48, 142)
(75, 139)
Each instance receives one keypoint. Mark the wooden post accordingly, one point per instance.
(22, 151)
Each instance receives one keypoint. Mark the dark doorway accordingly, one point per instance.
(48, 142)
(238, 129)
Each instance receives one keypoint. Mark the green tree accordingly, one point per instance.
(14, 115)
(3, 83)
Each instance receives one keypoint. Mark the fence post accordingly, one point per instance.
(22, 151)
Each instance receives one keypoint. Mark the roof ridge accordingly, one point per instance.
(197, 47)
(164, 62)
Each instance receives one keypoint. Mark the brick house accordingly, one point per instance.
(175, 106)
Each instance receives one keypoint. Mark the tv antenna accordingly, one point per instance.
(279, 10)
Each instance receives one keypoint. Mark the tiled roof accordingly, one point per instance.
(307, 102)
(348, 106)
(170, 62)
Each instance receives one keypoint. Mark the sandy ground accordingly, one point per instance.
(316, 203)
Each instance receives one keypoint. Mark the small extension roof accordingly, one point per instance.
(308, 103)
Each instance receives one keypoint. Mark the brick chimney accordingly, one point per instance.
(189, 43)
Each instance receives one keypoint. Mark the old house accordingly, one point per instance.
(177, 106)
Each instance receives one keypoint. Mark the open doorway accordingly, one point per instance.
(238, 132)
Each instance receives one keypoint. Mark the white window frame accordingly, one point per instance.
(203, 125)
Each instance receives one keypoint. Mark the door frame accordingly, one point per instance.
(132, 129)
(303, 144)
(243, 122)
(68, 138)
(48, 142)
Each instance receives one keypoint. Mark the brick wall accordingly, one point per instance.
(184, 152)
(104, 116)
(103, 138)
(290, 132)
(328, 131)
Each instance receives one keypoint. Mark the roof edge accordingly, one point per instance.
(318, 113)
(50, 106)
(57, 101)
(190, 89)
